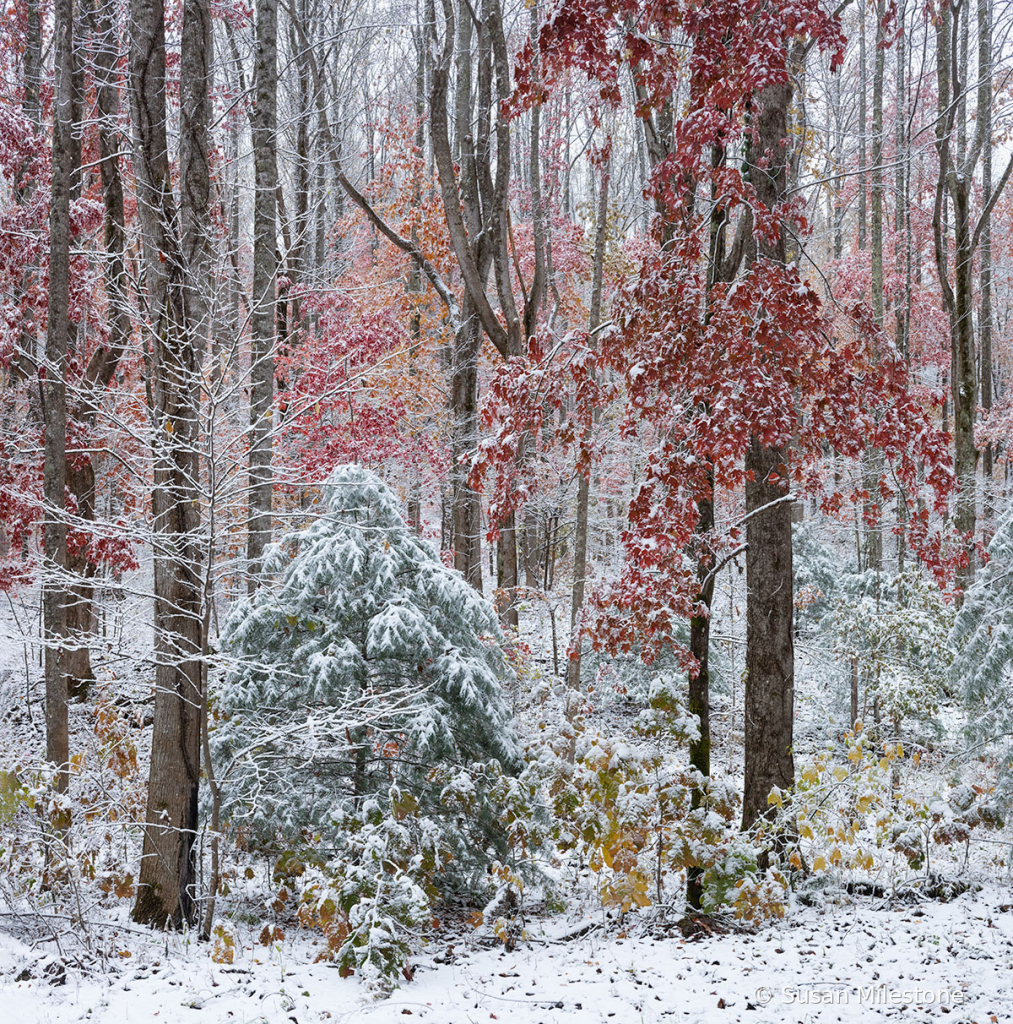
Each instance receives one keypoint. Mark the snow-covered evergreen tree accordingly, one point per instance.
(362, 710)
(983, 668)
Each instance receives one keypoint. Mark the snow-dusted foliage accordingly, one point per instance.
(362, 694)
(983, 638)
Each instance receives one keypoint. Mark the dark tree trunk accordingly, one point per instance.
(54, 405)
(770, 669)
(769, 702)
(81, 618)
(699, 684)
(464, 405)
(32, 59)
(165, 891)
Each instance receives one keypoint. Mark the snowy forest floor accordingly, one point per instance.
(857, 959)
(846, 958)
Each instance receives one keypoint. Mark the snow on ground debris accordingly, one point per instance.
(856, 961)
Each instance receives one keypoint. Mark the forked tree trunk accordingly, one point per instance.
(165, 891)
(958, 159)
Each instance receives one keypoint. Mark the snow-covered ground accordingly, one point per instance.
(857, 960)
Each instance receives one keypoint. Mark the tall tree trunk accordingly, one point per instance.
(770, 670)
(264, 126)
(464, 404)
(862, 123)
(584, 482)
(81, 618)
(899, 182)
(32, 61)
(165, 891)
(699, 681)
(958, 159)
(985, 280)
(54, 406)
(723, 267)
(878, 74)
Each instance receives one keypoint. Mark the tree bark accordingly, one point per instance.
(770, 669)
(862, 123)
(958, 159)
(264, 126)
(985, 279)
(54, 405)
(584, 482)
(81, 618)
(464, 405)
(769, 699)
(878, 74)
(165, 891)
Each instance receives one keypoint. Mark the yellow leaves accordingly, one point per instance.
(805, 832)
(12, 794)
(626, 892)
(775, 797)
(855, 755)
(840, 773)
(836, 856)
(820, 864)
(810, 775)
(795, 860)
(225, 946)
(761, 899)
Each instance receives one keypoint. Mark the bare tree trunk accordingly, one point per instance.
(264, 124)
(878, 74)
(900, 195)
(584, 483)
(958, 159)
(985, 280)
(165, 892)
(54, 405)
(81, 618)
(854, 691)
(862, 123)
(770, 670)
(32, 61)
(464, 404)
